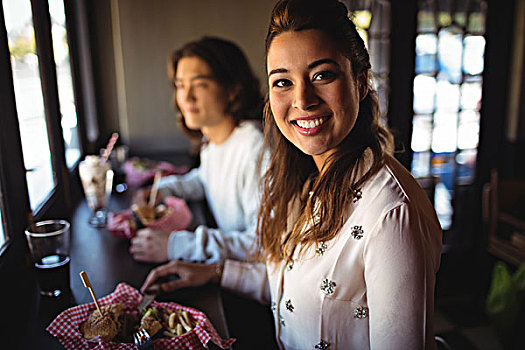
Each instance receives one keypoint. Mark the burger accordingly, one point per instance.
(104, 323)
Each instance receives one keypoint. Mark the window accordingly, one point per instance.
(32, 103)
(29, 100)
(372, 19)
(447, 86)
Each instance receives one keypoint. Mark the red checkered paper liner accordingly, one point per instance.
(66, 326)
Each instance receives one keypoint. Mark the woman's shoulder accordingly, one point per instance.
(402, 178)
(394, 194)
(394, 188)
(393, 185)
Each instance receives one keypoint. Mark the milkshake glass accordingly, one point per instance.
(97, 180)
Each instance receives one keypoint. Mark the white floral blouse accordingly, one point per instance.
(371, 287)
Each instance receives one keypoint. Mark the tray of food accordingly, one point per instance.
(170, 325)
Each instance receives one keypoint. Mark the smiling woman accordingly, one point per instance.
(349, 241)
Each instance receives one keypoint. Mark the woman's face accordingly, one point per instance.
(199, 96)
(313, 94)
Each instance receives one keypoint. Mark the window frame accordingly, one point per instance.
(48, 77)
(14, 198)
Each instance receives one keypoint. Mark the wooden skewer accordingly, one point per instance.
(87, 284)
(154, 189)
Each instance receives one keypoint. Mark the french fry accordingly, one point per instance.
(176, 323)
(179, 330)
(187, 318)
(183, 323)
(172, 320)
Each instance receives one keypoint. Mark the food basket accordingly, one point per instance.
(66, 326)
(122, 223)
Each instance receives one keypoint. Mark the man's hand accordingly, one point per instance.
(150, 245)
(191, 275)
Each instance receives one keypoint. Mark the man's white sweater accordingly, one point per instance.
(228, 178)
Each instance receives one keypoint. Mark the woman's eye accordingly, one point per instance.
(325, 75)
(281, 83)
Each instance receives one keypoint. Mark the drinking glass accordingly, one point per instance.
(97, 180)
(49, 247)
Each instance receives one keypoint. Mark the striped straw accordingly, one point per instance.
(110, 146)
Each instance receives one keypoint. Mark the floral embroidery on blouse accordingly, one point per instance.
(322, 345)
(357, 194)
(289, 305)
(328, 286)
(361, 312)
(357, 232)
(321, 249)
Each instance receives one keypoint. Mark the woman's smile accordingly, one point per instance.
(310, 126)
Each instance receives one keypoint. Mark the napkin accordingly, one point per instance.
(66, 326)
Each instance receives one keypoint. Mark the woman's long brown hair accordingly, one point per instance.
(289, 169)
